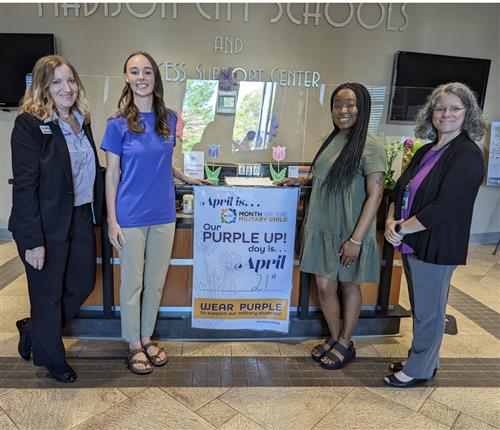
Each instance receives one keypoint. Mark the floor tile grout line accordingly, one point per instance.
(196, 412)
(426, 399)
(127, 398)
(182, 404)
(123, 401)
(125, 394)
(446, 406)
(475, 418)
(248, 418)
(456, 418)
(8, 416)
(459, 412)
(332, 408)
(338, 403)
(404, 406)
(219, 398)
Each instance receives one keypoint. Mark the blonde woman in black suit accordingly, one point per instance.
(57, 198)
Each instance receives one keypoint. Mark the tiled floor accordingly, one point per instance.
(262, 385)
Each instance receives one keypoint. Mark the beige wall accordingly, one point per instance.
(97, 46)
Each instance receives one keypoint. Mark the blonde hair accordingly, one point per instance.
(37, 100)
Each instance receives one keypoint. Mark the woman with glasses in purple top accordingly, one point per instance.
(429, 222)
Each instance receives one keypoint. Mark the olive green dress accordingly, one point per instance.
(332, 218)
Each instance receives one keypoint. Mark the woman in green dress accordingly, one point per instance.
(339, 245)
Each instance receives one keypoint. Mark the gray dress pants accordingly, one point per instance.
(428, 286)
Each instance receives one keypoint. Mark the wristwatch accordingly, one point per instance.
(398, 229)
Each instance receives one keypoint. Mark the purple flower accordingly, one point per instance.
(408, 143)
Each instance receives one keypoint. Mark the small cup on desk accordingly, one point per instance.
(187, 203)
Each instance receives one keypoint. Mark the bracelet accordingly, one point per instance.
(355, 241)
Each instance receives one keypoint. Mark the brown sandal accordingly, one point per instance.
(130, 362)
(154, 359)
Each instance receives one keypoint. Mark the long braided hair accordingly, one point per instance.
(341, 173)
(130, 111)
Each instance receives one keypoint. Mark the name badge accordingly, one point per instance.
(45, 129)
(406, 200)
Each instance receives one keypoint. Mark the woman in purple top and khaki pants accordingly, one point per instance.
(140, 196)
(430, 219)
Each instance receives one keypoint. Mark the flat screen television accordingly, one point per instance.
(415, 75)
(20, 53)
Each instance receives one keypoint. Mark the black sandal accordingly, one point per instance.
(393, 381)
(155, 359)
(335, 362)
(130, 362)
(319, 350)
(398, 366)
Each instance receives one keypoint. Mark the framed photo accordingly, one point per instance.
(226, 102)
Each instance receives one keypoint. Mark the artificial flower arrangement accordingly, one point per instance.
(393, 146)
(278, 155)
(213, 154)
(409, 148)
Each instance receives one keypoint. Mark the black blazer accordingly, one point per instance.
(444, 201)
(42, 195)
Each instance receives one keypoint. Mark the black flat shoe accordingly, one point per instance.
(24, 345)
(393, 381)
(67, 376)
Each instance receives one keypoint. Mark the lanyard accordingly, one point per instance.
(423, 163)
(426, 161)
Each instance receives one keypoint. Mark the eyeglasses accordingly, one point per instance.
(452, 109)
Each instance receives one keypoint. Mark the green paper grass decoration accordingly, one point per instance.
(277, 176)
(212, 175)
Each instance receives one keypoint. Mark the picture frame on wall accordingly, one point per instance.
(226, 102)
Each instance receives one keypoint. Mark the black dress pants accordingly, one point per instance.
(58, 290)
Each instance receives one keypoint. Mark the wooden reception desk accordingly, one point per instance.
(177, 291)
(380, 313)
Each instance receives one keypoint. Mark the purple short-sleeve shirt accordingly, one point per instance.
(146, 192)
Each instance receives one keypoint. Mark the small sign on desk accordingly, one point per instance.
(194, 164)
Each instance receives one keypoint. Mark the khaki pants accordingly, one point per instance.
(144, 261)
